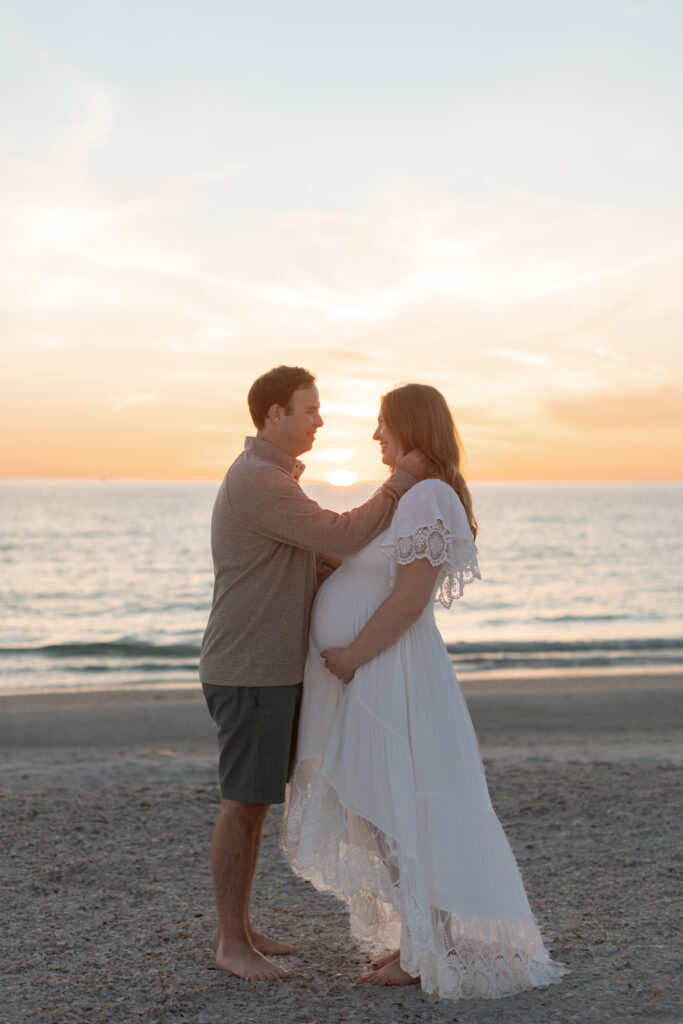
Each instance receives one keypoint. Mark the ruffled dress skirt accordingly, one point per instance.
(388, 806)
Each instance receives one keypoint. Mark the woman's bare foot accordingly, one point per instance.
(262, 943)
(391, 974)
(376, 965)
(247, 962)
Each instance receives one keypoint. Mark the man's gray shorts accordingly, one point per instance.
(257, 727)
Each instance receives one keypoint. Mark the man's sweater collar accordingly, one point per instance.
(271, 453)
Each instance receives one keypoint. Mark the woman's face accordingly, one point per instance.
(389, 444)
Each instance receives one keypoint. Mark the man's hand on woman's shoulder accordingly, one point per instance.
(416, 463)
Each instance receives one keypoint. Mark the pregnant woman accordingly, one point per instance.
(388, 806)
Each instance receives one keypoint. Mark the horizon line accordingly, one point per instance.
(472, 481)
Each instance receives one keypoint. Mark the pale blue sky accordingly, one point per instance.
(481, 195)
(581, 99)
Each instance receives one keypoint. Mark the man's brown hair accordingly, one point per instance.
(276, 388)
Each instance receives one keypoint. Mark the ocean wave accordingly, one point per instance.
(159, 654)
(620, 617)
(566, 646)
(535, 656)
(122, 649)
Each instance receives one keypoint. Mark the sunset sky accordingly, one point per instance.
(485, 196)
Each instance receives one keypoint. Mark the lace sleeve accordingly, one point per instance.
(426, 542)
(462, 568)
(430, 523)
(457, 557)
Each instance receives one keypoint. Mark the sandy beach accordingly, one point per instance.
(108, 802)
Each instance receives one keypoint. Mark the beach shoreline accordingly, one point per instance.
(152, 733)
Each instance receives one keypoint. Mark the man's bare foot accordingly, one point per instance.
(247, 962)
(271, 947)
(262, 943)
(376, 965)
(391, 974)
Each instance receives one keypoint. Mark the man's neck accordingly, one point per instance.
(263, 435)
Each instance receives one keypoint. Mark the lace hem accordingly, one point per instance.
(456, 956)
(457, 556)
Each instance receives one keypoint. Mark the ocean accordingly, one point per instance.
(108, 584)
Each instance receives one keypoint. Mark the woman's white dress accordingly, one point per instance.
(388, 806)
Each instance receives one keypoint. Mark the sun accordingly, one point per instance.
(341, 477)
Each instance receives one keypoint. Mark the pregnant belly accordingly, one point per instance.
(340, 611)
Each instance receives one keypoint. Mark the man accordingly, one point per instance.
(265, 536)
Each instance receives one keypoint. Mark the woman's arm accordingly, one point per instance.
(412, 593)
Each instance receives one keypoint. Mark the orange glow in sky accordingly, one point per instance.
(455, 210)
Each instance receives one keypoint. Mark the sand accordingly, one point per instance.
(108, 801)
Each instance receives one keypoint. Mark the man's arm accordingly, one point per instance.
(415, 464)
(325, 566)
(331, 561)
(274, 505)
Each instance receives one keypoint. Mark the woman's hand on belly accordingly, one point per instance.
(340, 663)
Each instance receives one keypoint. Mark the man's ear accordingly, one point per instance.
(274, 413)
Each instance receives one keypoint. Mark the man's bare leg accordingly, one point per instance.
(263, 943)
(238, 829)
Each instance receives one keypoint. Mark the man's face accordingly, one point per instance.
(296, 429)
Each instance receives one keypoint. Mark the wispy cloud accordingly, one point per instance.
(49, 341)
(655, 409)
(124, 403)
(335, 305)
(526, 358)
(566, 281)
(333, 454)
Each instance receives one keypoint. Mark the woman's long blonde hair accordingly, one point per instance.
(419, 417)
